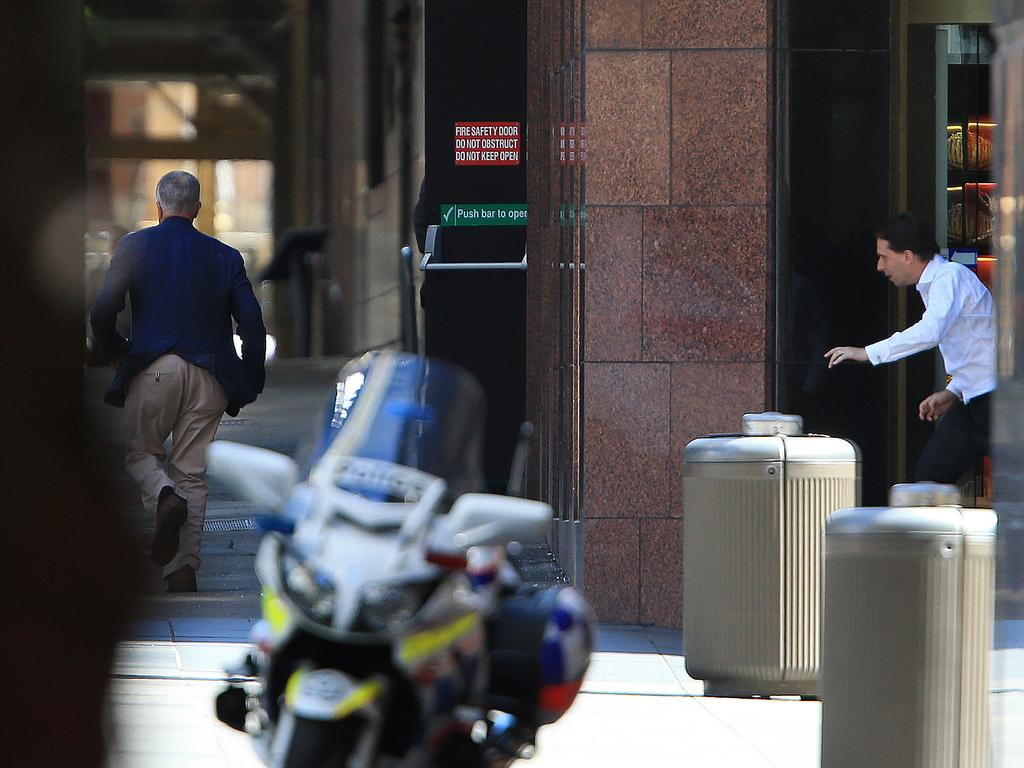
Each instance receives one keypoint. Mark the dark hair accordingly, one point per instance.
(907, 232)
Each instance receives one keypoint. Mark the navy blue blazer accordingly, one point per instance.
(185, 288)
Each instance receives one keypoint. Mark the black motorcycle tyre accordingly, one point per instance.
(322, 744)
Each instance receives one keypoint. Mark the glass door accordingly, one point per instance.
(949, 179)
(969, 148)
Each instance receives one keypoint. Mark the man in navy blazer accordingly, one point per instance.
(179, 372)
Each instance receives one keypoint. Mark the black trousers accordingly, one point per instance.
(960, 439)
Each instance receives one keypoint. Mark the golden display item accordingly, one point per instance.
(979, 150)
(976, 215)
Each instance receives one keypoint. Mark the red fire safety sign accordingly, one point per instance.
(487, 143)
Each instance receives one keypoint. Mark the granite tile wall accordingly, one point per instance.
(633, 121)
(648, 323)
(614, 246)
(720, 127)
(704, 283)
(626, 459)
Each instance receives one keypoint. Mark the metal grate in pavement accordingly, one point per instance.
(230, 524)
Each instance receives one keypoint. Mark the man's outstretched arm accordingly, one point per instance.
(945, 303)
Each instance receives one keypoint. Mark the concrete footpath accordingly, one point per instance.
(637, 707)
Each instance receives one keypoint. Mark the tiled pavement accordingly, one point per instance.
(637, 706)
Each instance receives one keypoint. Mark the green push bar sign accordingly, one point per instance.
(483, 214)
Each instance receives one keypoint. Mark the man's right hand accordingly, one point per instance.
(935, 405)
(836, 355)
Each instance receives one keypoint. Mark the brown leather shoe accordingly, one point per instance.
(182, 580)
(171, 513)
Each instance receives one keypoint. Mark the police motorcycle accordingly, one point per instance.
(394, 631)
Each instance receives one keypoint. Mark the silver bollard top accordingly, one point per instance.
(924, 494)
(902, 521)
(770, 437)
(917, 510)
(915, 522)
(772, 423)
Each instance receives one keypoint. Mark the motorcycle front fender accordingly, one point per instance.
(329, 718)
(303, 743)
(330, 694)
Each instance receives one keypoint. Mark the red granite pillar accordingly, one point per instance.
(676, 95)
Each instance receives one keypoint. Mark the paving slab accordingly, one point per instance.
(149, 629)
(634, 706)
(189, 659)
(784, 732)
(1007, 715)
(602, 730)
(165, 723)
(622, 673)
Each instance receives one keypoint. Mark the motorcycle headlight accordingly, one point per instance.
(313, 592)
(387, 605)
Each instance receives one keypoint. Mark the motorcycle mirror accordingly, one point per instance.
(478, 519)
(263, 477)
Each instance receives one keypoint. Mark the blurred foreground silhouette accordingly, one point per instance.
(66, 565)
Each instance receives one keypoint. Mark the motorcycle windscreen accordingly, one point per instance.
(408, 410)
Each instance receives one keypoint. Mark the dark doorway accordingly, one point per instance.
(474, 290)
(832, 191)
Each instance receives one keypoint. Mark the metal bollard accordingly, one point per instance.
(754, 513)
(909, 592)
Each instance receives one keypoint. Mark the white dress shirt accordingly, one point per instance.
(958, 319)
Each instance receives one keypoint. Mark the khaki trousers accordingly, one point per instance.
(173, 398)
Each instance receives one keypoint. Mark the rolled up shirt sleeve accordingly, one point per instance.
(926, 333)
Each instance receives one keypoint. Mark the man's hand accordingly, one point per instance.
(933, 406)
(836, 355)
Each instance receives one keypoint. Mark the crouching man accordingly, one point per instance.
(959, 320)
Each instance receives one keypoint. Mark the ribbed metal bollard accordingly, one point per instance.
(754, 513)
(908, 632)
